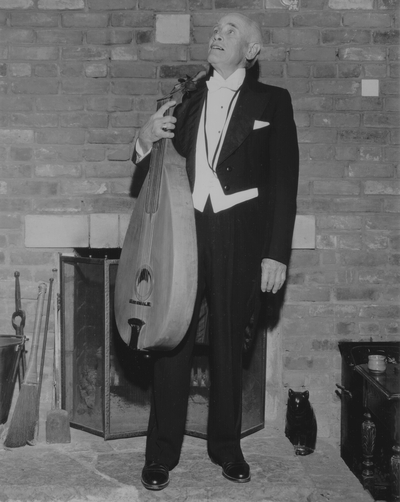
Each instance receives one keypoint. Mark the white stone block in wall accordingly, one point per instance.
(61, 4)
(370, 87)
(124, 220)
(351, 4)
(103, 231)
(304, 232)
(303, 235)
(173, 28)
(108, 231)
(16, 4)
(65, 231)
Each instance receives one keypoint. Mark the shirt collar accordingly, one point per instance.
(233, 82)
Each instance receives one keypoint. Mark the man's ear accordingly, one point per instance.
(253, 51)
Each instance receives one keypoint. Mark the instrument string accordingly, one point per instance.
(151, 206)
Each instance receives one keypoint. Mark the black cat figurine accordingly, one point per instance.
(301, 424)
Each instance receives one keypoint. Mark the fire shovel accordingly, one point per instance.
(57, 420)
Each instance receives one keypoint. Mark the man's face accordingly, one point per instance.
(229, 44)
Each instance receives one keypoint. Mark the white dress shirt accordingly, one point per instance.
(221, 101)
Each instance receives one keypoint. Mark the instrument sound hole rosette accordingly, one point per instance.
(144, 283)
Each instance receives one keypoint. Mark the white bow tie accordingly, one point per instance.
(214, 84)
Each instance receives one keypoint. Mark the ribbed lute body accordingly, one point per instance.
(157, 273)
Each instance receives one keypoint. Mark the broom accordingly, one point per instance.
(33, 440)
(23, 421)
(57, 420)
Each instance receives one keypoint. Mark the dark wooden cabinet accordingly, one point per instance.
(370, 417)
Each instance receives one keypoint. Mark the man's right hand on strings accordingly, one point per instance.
(158, 126)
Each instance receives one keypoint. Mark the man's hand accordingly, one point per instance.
(157, 127)
(273, 275)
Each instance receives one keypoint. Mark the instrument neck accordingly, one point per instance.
(156, 163)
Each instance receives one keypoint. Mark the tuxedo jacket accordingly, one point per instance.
(260, 150)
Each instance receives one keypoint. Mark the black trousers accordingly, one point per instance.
(229, 272)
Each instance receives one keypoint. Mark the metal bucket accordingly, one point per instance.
(9, 349)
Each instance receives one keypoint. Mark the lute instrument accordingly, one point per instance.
(156, 279)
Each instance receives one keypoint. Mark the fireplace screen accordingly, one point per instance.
(106, 386)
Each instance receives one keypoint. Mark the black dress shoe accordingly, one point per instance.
(155, 476)
(238, 472)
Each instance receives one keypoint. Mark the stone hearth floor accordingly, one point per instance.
(93, 470)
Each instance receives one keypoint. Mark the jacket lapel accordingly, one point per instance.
(193, 119)
(192, 124)
(249, 107)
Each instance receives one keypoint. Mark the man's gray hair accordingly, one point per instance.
(256, 37)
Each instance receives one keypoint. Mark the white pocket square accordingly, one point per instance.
(258, 124)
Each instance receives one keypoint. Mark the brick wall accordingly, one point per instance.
(78, 77)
